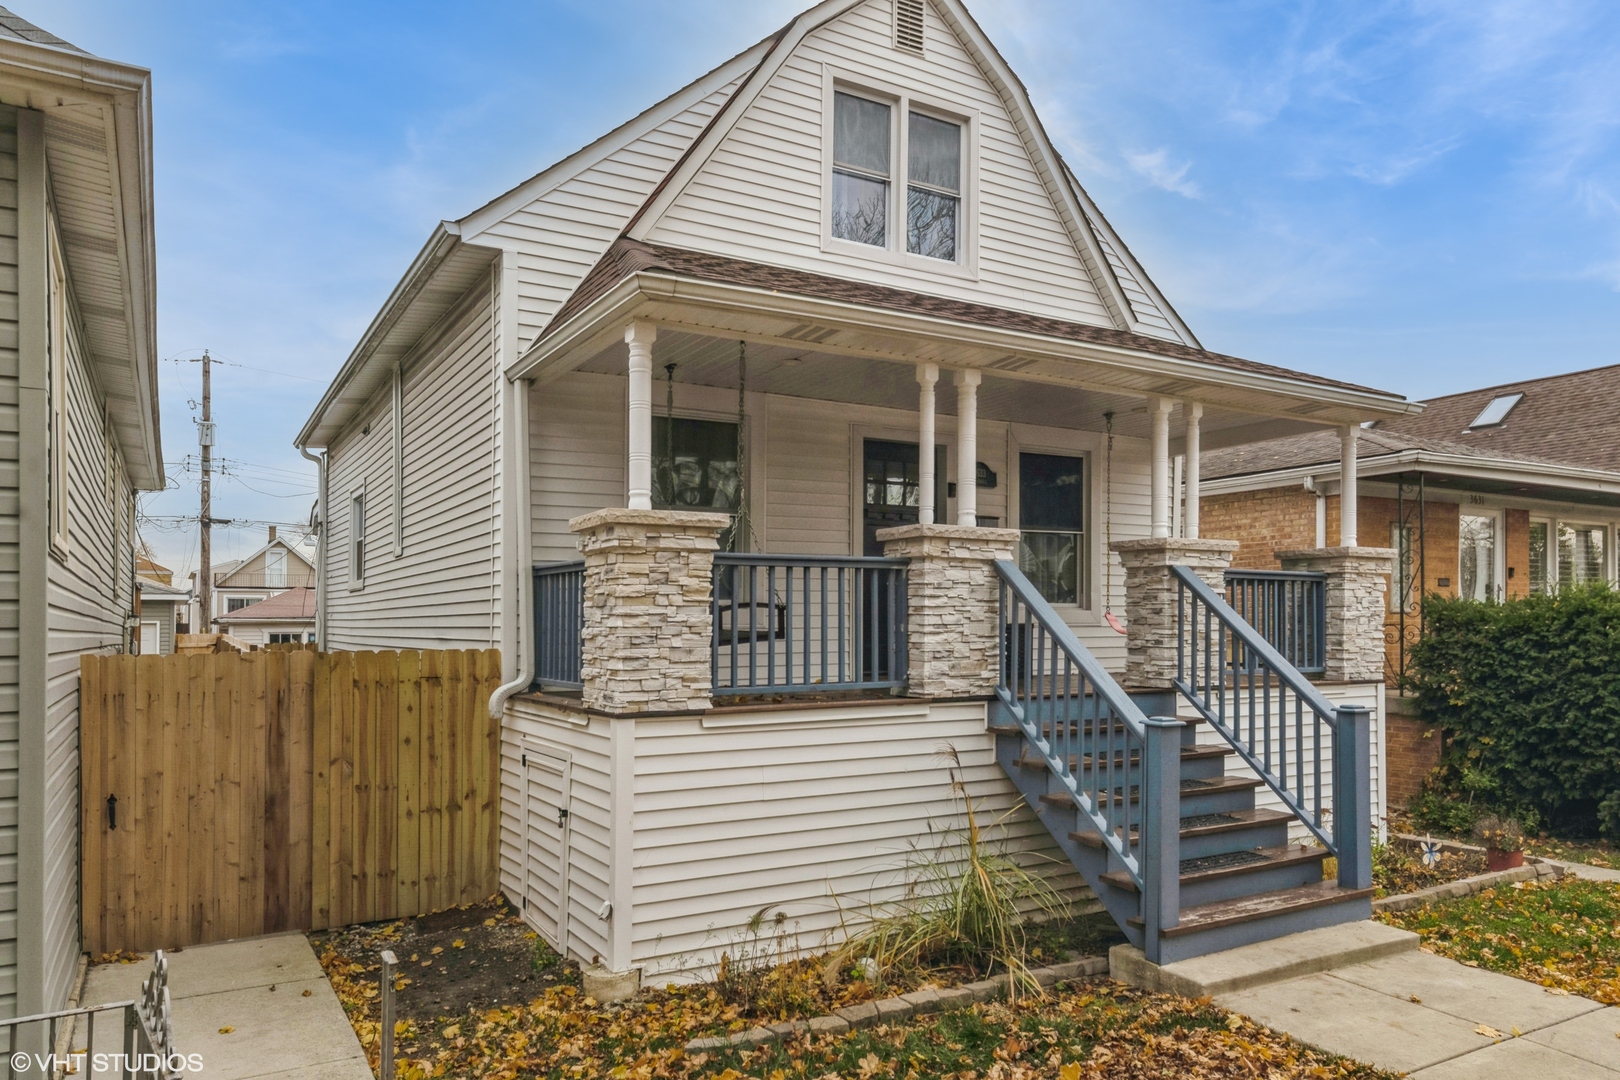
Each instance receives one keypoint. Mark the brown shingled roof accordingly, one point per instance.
(628, 257)
(289, 606)
(1322, 448)
(1573, 418)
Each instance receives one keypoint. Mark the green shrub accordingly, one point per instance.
(1529, 692)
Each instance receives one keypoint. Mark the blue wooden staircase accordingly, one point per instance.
(1175, 848)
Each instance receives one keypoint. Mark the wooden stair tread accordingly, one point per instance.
(1259, 906)
(1011, 728)
(1215, 786)
(1202, 870)
(1236, 821)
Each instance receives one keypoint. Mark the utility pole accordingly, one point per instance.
(205, 439)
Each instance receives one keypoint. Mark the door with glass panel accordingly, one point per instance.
(1476, 557)
(891, 476)
(1052, 526)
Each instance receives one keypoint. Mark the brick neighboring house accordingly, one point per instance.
(1455, 491)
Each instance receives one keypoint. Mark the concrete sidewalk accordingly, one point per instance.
(285, 1020)
(1422, 1014)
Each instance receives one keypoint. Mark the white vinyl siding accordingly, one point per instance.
(441, 594)
(804, 811)
(9, 561)
(802, 456)
(760, 195)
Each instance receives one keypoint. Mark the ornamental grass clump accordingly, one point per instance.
(967, 902)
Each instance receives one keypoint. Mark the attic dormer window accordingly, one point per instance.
(1496, 412)
(860, 180)
(908, 25)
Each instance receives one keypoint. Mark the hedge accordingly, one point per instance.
(1528, 691)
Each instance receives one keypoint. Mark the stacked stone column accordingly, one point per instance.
(953, 595)
(1357, 584)
(1150, 600)
(648, 581)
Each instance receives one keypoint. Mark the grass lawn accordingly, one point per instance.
(1563, 934)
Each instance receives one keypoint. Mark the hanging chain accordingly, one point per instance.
(1108, 516)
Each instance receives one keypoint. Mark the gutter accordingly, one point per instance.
(1575, 476)
(320, 546)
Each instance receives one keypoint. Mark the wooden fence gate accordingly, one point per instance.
(236, 794)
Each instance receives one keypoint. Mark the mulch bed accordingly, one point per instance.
(1399, 868)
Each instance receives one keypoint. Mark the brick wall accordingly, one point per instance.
(1411, 751)
(1518, 554)
(1264, 522)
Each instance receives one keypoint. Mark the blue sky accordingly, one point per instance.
(1422, 195)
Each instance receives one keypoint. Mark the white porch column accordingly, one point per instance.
(967, 448)
(1347, 485)
(1161, 467)
(1195, 413)
(927, 376)
(639, 336)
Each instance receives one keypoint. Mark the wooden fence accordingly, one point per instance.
(226, 795)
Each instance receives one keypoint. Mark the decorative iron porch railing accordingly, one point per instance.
(1288, 608)
(1313, 755)
(142, 1042)
(559, 625)
(797, 624)
(1120, 768)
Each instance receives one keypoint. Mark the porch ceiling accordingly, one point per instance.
(793, 370)
(1243, 401)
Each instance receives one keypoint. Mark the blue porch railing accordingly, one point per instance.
(1278, 723)
(796, 624)
(559, 624)
(1288, 608)
(1121, 769)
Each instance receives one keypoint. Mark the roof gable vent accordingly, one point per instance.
(908, 25)
(1496, 412)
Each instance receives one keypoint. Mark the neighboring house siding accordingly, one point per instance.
(814, 813)
(441, 593)
(759, 195)
(9, 561)
(90, 593)
(562, 233)
(802, 455)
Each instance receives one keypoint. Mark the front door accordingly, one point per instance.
(889, 492)
(547, 780)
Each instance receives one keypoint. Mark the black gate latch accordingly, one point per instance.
(562, 816)
(112, 812)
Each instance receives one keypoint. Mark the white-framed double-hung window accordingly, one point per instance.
(899, 178)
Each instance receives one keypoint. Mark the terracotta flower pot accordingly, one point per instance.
(1497, 859)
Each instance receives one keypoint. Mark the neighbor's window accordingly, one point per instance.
(357, 538)
(237, 603)
(1580, 553)
(1051, 520)
(275, 568)
(694, 464)
(1540, 579)
(1476, 557)
(1403, 596)
(933, 187)
(860, 180)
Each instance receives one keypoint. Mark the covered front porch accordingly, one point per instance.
(817, 535)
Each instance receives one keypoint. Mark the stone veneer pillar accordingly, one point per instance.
(1150, 600)
(648, 579)
(1357, 585)
(953, 601)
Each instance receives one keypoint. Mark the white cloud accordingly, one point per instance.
(1155, 167)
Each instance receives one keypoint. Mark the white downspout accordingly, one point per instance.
(320, 546)
(519, 567)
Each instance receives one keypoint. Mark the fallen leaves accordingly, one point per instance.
(226, 1030)
(1489, 1032)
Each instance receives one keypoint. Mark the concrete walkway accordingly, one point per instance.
(1422, 1014)
(1588, 872)
(285, 1020)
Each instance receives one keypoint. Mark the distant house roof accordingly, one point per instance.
(19, 28)
(294, 605)
(1322, 448)
(1573, 418)
(160, 590)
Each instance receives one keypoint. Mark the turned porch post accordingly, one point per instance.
(1189, 520)
(927, 376)
(1347, 485)
(1160, 503)
(967, 448)
(639, 336)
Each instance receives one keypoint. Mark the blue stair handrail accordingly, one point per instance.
(1269, 712)
(1120, 768)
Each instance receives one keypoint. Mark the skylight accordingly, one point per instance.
(1496, 411)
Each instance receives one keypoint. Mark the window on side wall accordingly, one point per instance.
(1540, 561)
(1582, 553)
(357, 539)
(695, 467)
(1051, 520)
